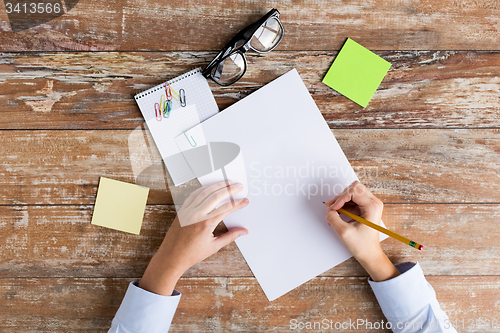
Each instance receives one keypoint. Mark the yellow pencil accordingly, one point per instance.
(379, 228)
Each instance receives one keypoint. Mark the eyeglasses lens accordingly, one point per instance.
(230, 69)
(267, 36)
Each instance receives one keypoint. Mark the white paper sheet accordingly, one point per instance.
(293, 163)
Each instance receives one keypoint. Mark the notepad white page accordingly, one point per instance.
(200, 105)
(278, 127)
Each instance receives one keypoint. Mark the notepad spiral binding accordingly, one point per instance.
(162, 86)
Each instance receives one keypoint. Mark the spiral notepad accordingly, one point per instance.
(199, 105)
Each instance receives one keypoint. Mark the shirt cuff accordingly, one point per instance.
(144, 311)
(405, 294)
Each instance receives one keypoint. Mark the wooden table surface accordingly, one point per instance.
(428, 145)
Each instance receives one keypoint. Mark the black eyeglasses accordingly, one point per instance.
(262, 36)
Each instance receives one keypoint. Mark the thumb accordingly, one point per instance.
(336, 222)
(229, 237)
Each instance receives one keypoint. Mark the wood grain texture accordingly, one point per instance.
(309, 25)
(59, 241)
(95, 90)
(411, 165)
(428, 144)
(229, 305)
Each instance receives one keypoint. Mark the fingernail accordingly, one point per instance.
(242, 234)
(246, 200)
(239, 185)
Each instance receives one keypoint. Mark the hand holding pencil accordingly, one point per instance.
(379, 228)
(361, 240)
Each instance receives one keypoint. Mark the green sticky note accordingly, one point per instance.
(120, 205)
(356, 72)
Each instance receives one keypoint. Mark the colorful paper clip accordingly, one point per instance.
(170, 91)
(182, 97)
(174, 93)
(158, 112)
(163, 103)
(168, 108)
(193, 144)
(163, 109)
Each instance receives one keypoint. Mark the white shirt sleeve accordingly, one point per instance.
(142, 311)
(409, 302)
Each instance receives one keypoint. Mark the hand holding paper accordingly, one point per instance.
(209, 202)
(183, 247)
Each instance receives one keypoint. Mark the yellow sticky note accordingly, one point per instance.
(356, 72)
(120, 205)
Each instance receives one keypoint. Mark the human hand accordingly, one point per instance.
(361, 240)
(185, 246)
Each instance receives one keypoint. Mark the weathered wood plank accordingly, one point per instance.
(309, 25)
(47, 241)
(229, 305)
(95, 90)
(411, 165)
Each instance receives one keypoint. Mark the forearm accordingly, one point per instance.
(379, 267)
(160, 276)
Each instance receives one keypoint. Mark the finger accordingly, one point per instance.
(228, 237)
(341, 199)
(359, 189)
(356, 192)
(224, 208)
(214, 199)
(345, 190)
(352, 207)
(331, 201)
(189, 200)
(214, 221)
(336, 222)
(205, 193)
(328, 204)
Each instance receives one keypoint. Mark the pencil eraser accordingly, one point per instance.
(421, 247)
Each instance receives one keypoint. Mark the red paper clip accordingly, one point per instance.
(168, 91)
(158, 111)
